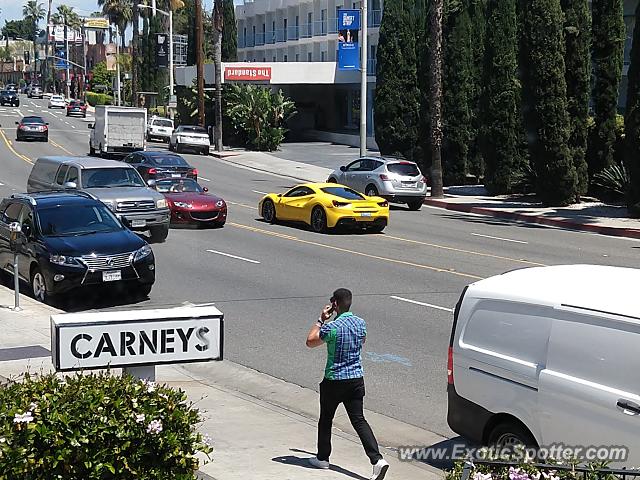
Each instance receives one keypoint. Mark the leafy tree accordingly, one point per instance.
(229, 32)
(436, 12)
(545, 86)
(66, 15)
(457, 91)
(33, 12)
(120, 13)
(608, 33)
(260, 113)
(632, 123)
(18, 29)
(499, 107)
(396, 101)
(577, 31)
(422, 152)
(100, 75)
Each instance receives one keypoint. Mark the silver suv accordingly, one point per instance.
(395, 179)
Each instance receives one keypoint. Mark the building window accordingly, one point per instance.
(244, 35)
(254, 34)
(285, 58)
(264, 59)
(297, 57)
(284, 24)
(274, 58)
(323, 56)
(309, 56)
(323, 18)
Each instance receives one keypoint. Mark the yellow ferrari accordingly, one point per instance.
(326, 205)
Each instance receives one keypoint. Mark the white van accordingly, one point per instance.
(548, 355)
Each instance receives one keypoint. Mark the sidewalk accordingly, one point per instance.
(595, 217)
(255, 435)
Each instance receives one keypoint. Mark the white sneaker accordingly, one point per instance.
(380, 470)
(324, 464)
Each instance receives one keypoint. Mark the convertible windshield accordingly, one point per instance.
(111, 177)
(178, 185)
(68, 220)
(343, 192)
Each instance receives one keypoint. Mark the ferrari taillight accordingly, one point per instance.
(336, 203)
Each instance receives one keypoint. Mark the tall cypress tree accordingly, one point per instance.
(457, 91)
(422, 153)
(577, 30)
(632, 122)
(396, 101)
(545, 86)
(229, 32)
(608, 31)
(477, 13)
(499, 108)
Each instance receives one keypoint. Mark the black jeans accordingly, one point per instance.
(351, 393)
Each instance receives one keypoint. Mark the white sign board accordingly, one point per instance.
(136, 337)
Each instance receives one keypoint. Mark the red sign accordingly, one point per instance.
(247, 73)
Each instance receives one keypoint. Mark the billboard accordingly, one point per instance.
(247, 73)
(162, 50)
(348, 45)
(100, 23)
(110, 53)
(56, 33)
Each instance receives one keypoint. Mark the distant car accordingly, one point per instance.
(11, 87)
(156, 165)
(191, 204)
(72, 240)
(159, 128)
(32, 128)
(190, 137)
(324, 206)
(394, 179)
(57, 101)
(8, 97)
(35, 92)
(77, 107)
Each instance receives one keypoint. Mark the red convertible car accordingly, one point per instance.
(191, 204)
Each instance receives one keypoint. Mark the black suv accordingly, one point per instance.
(70, 240)
(9, 97)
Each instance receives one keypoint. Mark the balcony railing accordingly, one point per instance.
(240, 41)
(293, 33)
(319, 28)
(306, 30)
(259, 39)
(270, 37)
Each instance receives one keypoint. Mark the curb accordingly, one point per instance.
(523, 217)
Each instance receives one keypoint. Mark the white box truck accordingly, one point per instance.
(117, 130)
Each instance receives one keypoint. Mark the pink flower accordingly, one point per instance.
(154, 427)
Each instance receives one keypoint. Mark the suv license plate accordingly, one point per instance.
(175, 175)
(409, 184)
(111, 276)
(138, 223)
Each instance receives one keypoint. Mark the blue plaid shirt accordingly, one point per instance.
(344, 338)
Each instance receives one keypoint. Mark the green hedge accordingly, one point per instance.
(94, 99)
(97, 426)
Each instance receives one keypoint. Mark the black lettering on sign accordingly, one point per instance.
(204, 341)
(126, 340)
(185, 338)
(166, 337)
(152, 344)
(105, 345)
(74, 345)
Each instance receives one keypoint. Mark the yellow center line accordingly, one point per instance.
(60, 147)
(241, 205)
(10, 147)
(460, 250)
(361, 254)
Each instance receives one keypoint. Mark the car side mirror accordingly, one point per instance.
(343, 168)
(151, 182)
(70, 185)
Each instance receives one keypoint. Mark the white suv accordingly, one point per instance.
(159, 128)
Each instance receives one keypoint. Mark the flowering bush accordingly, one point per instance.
(98, 426)
(552, 470)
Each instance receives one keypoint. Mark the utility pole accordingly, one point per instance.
(118, 65)
(363, 82)
(66, 57)
(134, 56)
(200, 62)
(47, 51)
(171, 57)
(218, 24)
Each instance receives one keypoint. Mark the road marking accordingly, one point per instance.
(233, 256)
(10, 147)
(205, 179)
(60, 147)
(259, 192)
(72, 126)
(362, 254)
(67, 122)
(408, 300)
(30, 111)
(241, 205)
(44, 111)
(1, 184)
(460, 250)
(498, 238)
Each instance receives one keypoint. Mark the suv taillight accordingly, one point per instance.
(450, 366)
(194, 171)
(383, 177)
(152, 171)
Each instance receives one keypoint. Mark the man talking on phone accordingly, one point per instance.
(343, 379)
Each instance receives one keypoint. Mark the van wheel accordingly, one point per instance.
(510, 435)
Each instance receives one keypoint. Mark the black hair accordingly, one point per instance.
(343, 298)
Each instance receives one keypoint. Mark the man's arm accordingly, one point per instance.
(313, 338)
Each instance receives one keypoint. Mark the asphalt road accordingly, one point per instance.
(406, 281)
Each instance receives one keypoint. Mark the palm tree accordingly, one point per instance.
(435, 94)
(120, 13)
(66, 15)
(34, 12)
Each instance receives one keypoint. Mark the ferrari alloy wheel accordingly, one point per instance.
(269, 211)
(318, 220)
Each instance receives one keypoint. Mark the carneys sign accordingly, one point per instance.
(136, 337)
(247, 73)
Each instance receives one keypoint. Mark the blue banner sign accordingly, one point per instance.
(60, 63)
(348, 45)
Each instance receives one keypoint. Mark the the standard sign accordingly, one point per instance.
(139, 337)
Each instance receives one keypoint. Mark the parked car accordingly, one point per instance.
(116, 184)
(35, 92)
(159, 128)
(77, 107)
(57, 101)
(155, 165)
(190, 137)
(32, 128)
(325, 206)
(394, 179)
(72, 240)
(191, 203)
(548, 356)
(9, 97)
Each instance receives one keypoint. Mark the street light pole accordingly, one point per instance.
(363, 83)
(118, 65)
(66, 56)
(170, 59)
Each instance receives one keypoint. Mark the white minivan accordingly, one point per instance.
(548, 355)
